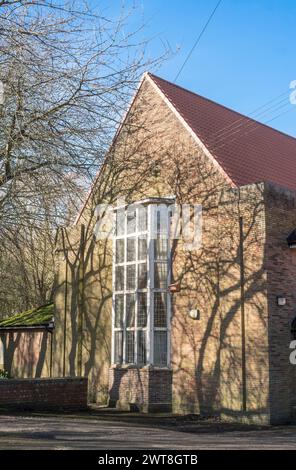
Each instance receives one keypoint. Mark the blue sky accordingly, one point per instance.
(245, 58)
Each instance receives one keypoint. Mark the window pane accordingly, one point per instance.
(160, 275)
(142, 249)
(131, 277)
(130, 342)
(159, 220)
(131, 249)
(142, 275)
(120, 251)
(160, 309)
(130, 310)
(142, 309)
(119, 278)
(118, 347)
(118, 308)
(120, 220)
(131, 221)
(160, 348)
(142, 347)
(160, 248)
(142, 219)
(131, 286)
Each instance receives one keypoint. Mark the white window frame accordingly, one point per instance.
(150, 290)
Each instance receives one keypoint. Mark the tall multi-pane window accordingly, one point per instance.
(141, 272)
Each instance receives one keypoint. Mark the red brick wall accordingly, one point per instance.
(145, 389)
(44, 394)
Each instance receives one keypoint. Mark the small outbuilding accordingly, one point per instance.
(26, 343)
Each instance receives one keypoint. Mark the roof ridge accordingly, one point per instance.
(222, 106)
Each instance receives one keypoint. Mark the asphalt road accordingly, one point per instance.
(101, 431)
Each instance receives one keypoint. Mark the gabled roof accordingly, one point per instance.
(247, 150)
(40, 317)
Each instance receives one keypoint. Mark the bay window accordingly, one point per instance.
(141, 274)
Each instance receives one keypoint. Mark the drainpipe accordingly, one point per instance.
(51, 349)
(80, 300)
(243, 323)
(65, 315)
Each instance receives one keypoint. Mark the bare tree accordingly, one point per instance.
(67, 73)
(27, 261)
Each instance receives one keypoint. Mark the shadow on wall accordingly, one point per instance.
(220, 363)
(27, 353)
(82, 337)
(146, 390)
(83, 287)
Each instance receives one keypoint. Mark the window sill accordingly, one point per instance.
(134, 366)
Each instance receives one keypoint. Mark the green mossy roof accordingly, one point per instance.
(34, 317)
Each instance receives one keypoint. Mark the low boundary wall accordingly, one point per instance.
(69, 393)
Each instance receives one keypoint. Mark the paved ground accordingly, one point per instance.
(109, 430)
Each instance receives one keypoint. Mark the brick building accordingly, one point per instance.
(161, 324)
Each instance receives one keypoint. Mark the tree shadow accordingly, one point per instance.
(26, 353)
(220, 363)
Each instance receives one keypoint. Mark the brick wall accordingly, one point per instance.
(44, 394)
(146, 389)
(26, 353)
(220, 363)
(281, 281)
(157, 137)
(214, 371)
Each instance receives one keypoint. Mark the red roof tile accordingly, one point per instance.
(247, 150)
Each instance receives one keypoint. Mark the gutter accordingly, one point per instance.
(26, 328)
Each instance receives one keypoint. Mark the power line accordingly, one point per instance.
(251, 115)
(240, 124)
(197, 41)
(246, 122)
(251, 127)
